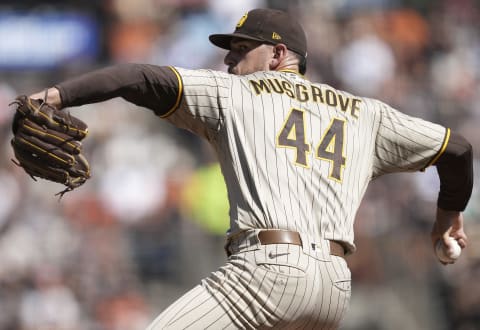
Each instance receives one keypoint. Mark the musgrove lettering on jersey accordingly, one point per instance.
(307, 93)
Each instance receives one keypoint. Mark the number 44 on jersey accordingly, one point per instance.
(330, 147)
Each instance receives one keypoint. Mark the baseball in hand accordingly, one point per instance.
(448, 256)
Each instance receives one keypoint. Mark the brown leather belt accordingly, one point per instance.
(274, 236)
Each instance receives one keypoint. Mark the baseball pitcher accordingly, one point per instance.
(297, 157)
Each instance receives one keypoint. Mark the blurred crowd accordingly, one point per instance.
(113, 253)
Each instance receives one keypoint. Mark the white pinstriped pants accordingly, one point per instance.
(278, 286)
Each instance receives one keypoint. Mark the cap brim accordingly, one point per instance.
(223, 40)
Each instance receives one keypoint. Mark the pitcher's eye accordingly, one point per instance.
(241, 48)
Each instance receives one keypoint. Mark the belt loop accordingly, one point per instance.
(316, 248)
(310, 247)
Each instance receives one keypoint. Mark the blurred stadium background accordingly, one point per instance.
(150, 223)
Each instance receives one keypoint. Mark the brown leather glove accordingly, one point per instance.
(47, 143)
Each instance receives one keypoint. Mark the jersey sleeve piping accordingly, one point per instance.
(179, 95)
(442, 149)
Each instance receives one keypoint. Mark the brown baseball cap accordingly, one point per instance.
(267, 25)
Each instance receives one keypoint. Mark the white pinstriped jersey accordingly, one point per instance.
(297, 155)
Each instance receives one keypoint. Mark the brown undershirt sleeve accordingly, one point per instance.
(157, 88)
(455, 169)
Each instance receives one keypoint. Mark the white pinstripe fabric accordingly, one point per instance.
(272, 286)
(266, 188)
(269, 187)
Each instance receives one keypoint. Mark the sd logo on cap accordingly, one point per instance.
(242, 20)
